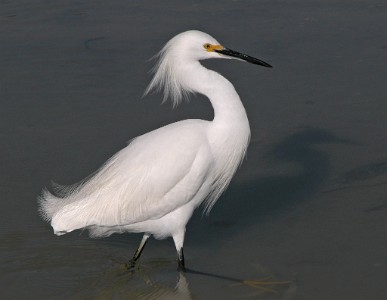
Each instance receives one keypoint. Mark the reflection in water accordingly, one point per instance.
(154, 282)
(85, 275)
(121, 284)
(181, 291)
(73, 269)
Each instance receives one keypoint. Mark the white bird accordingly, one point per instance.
(156, 182)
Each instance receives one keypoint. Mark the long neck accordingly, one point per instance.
(228, 133)
(228, 108)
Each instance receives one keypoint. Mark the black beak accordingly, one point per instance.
(245, 57)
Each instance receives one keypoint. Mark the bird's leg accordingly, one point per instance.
(140, 248)
(180, 260)
(138, 252)
(178, 238)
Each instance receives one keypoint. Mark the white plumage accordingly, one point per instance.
(155, 183)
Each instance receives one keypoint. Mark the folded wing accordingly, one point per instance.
(155, 174)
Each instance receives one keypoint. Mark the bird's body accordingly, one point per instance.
(156, 182)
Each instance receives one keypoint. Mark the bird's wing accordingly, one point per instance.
(154, 175)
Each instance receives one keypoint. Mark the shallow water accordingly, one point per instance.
(307, 210)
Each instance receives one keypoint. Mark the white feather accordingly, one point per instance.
(154, 184)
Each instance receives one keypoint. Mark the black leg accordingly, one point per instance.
(138, 252)
(180, 260)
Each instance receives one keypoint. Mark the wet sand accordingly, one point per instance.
(307, 207)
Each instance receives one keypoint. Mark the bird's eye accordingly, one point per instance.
(207, 46)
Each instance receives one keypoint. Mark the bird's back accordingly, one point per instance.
(154, 175)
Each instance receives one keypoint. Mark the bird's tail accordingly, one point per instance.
(49, 205)
(56, 209)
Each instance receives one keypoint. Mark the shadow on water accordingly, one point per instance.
(94, 273)
(250, 202)
(158, 279)
(370, 175)
(243, 205)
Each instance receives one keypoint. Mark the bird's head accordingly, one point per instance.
(183, 49)
(197, 45)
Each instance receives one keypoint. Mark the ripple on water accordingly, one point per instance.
(75, 266)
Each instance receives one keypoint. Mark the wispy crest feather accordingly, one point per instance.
(167, 76)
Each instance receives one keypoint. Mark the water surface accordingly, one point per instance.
(308, 206)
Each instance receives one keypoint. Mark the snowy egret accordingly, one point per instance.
(154, 184)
